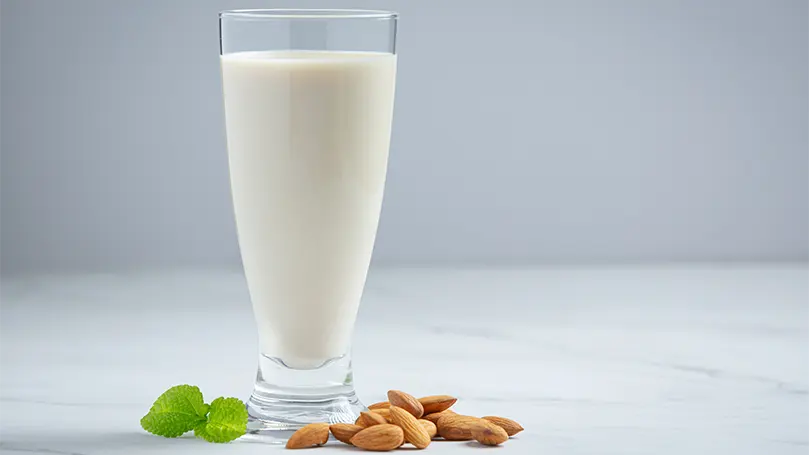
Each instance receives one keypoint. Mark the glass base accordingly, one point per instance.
(285, 399)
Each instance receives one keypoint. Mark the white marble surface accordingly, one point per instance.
(672, 360)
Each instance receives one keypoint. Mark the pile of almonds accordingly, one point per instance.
(403, 418)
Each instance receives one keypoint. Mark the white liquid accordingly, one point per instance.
(308, 136)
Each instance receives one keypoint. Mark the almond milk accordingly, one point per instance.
(308, 135)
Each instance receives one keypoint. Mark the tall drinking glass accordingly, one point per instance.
(308, 110)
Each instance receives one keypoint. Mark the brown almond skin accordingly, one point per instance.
(414, 433)
(437, 415)
(384, 412)
(343, 432)
(487, 433)
(314, 434)
(379, 438)
(436, 403)
(406, 401)
(456, 427)
(509, 425)
(430, 427)
(369, 419)
(380, 405)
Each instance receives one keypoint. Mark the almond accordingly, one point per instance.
(487, 433)
(456, 427)
(369, 419)
(414, 433)
(380, 405)
(384, 412)
(314, 434)
(437, 403)
(429, 427)
(509, 425)
(379, 437)
(343, 432)
(406, 401)
(437, 415)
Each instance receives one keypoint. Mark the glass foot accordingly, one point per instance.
(285, 399)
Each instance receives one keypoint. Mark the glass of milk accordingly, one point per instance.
(308, 97)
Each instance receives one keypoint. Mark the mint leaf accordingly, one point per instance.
(227, 421)
(179, 409)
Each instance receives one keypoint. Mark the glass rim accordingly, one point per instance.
(290, 13)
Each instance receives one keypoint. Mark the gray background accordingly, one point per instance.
(536, 131)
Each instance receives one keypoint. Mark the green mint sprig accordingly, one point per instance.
(181, 409)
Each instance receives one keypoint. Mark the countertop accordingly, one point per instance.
(686, 359)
